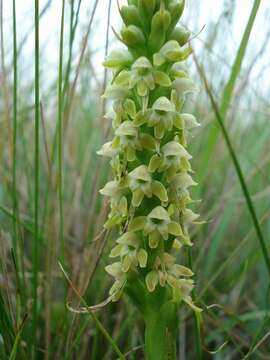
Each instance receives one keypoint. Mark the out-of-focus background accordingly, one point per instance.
(232, 282)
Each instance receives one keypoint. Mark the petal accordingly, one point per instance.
(178, 122)
(188, 300)
(189, 121)
(142, 258)
(162, 278)
(150, 82)
(127, 128)
(122, 78)
(159, 130)
(118, 58)
(142, 63)
(126, 263)
(158, 59)
(131, 154)
(174, 148)
(123, 206)
(116, 92)
(163, 230)
(130, 239)
(140, 119)
(142, 88)
(184, 86)
(130, 107)
(114, 269)
(141, 172)
(162, 79)
(176, 244)
(151, 280)
(137, 223)
(186, 240)
(137, 197)
(163, 104)
(180, 270)
(148, 228)
(154, 163)
(159, 213)
(110, 189)
(148, 142)
(107, 150)
(183, 180)
(189, 216)
(175, 229)
(112, 221)
(159, 191)
(154, 238)
(116, 251)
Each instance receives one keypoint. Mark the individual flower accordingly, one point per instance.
(179, 188)
(170, 160)
(166, 271)
(108, 150)
(171, 52)
(142, 184)
(118, 59)
(130, 250)
(128, 139)
(115, 270)
(119, 207)
(156, 225)
(144, 76)
(161, 116)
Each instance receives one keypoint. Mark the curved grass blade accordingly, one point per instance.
(98, 323)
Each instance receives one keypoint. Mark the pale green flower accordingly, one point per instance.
(116, 92)
(119, 208)
(130, 250)
(128, 137)
(115, 270)
(156, 225)
(171, 52)
(162, 116)
(179, 188)
(118, 59)
(142, 184)
(166, 271)
(108, 150)
(172, 156)
(144, 76)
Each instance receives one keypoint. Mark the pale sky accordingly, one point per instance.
(198, 13)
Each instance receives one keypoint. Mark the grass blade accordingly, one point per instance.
(237, 166)
(60, 134)
(14, 152)
(36, 200)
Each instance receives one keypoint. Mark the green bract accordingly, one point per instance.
(150, 193)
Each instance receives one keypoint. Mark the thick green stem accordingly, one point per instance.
(160, 333)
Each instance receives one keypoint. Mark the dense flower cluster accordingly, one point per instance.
(151, 166)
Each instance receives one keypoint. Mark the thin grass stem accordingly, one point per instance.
(36, 200)
(60, 135)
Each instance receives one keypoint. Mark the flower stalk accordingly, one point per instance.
(149, 195)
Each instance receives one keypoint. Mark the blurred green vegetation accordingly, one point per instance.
(232, 282)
